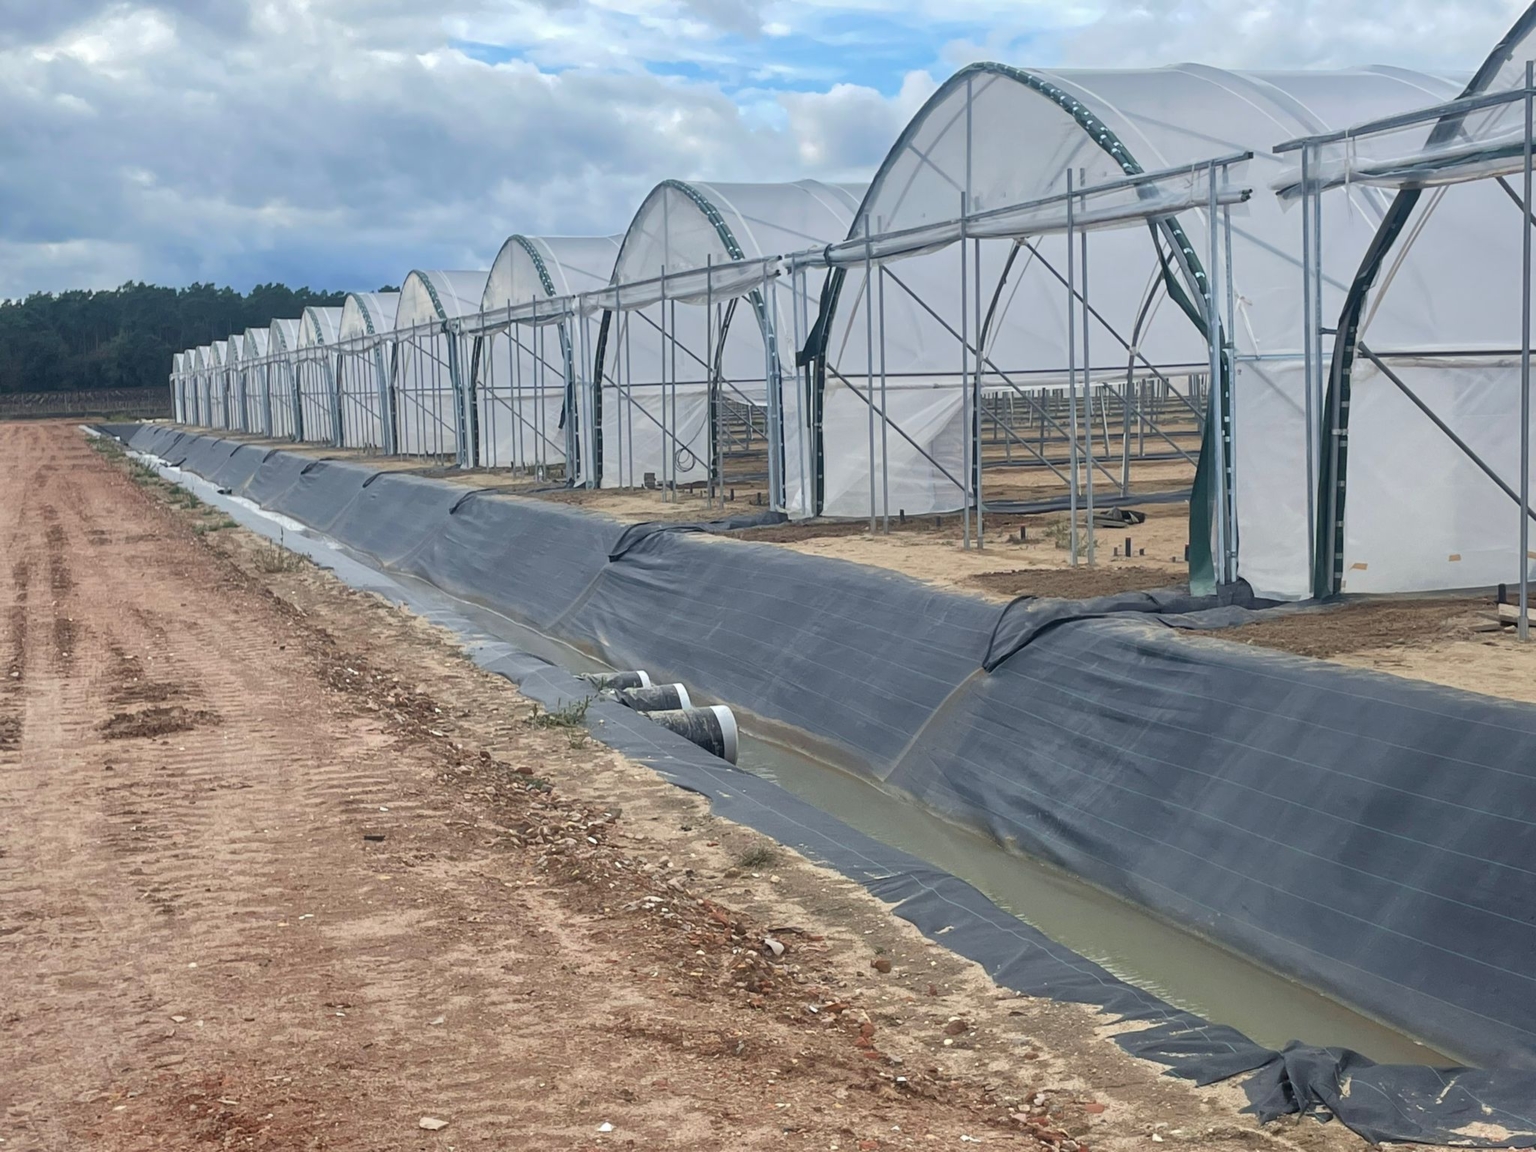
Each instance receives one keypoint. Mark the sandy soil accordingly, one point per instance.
(1005, 567)
(1496, 665)
(280, 869)
(1438, 639)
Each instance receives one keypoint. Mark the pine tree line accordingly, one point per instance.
(125, 338)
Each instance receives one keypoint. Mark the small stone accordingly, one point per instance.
(431, 1124)
(956, 1027)
(1093, 1108)
(439, 1020)
(881, 964)
(605, 1127)
(773, 945)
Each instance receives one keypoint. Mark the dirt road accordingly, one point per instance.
(279, 869)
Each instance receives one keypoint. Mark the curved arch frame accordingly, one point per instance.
(569, 411)
(1167, 229)
(368, 343)
(773, 368)
(457, 422)
(1333, 467)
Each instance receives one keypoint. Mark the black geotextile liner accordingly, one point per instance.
(1366, 835)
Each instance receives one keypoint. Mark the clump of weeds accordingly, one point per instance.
(755, 858)
(571, 719)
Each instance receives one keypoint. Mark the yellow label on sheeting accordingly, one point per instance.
(1358, 567)
(1455, 557)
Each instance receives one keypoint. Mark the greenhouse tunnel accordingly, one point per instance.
(218, 384)
(363, 352)
(526, 373)
(258, 372)
(426, 376)
(179, 407)
(282, 342)
(315, 376)
(683, 394)
(197, 383)
(236, 370)
(963, 151)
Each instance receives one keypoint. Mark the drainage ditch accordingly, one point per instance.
(1139, 948)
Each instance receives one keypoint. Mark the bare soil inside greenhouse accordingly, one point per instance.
(280, 868)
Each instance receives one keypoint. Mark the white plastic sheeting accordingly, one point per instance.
(1438, 330)
(218, 384)
(179, 407)
(257, 370)
(315, 370)
(197, 384)
(282, 343)
(1421, 516)
(234, 354)
(994, 136)
(525, 370)
(364, 349)
(427, 373)
(663, 361)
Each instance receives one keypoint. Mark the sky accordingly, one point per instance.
(340, 143)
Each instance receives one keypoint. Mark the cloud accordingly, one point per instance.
(342, 142)
(1433, 35)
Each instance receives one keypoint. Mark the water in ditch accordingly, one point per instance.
(1181, 968)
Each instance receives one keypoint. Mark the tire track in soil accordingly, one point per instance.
(177, 756)
(120, 828)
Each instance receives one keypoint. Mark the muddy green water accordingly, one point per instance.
(1180, 967)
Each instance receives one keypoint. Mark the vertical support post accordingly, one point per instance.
(965, 359)
(515, 388)
(1525, 367)
(665, 488)
(540, 391)
(1125, 433)
(1072, 362)
(1230, 345)
(1320, 376)
(1093, 536)
(773, 386)
(976, 410)
(338, 429)
(885, 418)
(809, 433)
(294, 371)
(716, 466)
(625, 389)
(802, 415)
(869, 371)
(1217, 414)
(575, 399)
(1309, 368)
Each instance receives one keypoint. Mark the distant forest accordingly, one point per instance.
(125, 338)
